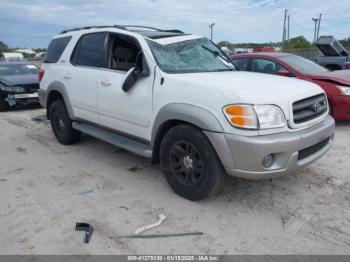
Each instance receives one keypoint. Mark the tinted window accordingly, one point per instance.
(90, 50)
(56, 48)
(265, 66)
(242, 64)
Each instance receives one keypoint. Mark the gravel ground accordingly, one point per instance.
(46, 187)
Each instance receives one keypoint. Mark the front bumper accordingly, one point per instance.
(242, 156)
(14, 99)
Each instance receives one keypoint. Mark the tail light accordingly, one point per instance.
(40, 74)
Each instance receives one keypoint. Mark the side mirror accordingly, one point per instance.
(283, 73)
(130, 79)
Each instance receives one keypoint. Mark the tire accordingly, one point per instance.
(62, 125)
(190, 164)
(3, 104)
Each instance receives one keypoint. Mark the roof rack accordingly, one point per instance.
(123, 27)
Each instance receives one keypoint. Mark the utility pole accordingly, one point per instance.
(318, 28)
(211, 31)
(315, 32)
(284, 26)
(288, 27)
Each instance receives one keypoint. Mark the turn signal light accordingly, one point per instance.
(242, 116)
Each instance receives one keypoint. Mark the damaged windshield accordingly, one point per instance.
(192, 56)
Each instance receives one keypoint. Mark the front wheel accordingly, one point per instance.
(190, 163)
(62, 125)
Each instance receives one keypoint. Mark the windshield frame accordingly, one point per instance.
(221, 55)
(298, 69)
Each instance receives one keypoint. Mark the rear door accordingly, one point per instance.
(81, 76)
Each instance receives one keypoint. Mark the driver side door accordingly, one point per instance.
(126, 112)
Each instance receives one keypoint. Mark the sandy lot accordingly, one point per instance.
(46, 187)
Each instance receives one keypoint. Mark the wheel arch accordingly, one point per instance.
(177, 113)
(57, 90)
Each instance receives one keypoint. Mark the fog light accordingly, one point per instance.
(268, 161)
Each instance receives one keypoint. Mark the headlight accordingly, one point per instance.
(344, 90)
(13, 89)
(270, 116)
(255, 117)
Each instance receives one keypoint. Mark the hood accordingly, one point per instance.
(13, 80)
(235, 87)
(340, 76)
(247, 87)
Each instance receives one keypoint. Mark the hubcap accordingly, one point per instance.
(185, 163)
(58, 122)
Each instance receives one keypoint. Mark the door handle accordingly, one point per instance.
(105, 83)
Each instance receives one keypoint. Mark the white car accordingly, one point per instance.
(177, 98)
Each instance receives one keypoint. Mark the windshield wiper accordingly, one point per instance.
(216, 53)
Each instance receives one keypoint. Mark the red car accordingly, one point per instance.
(336, 84)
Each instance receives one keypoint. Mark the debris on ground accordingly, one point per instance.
(87, 228)
(161, 218)
(40, 118)
(86, 192)
(135, 168)
(164, 235)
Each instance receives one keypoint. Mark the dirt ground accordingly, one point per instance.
(46, 187)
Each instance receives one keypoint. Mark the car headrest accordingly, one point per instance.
(122, 53)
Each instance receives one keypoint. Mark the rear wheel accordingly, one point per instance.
(62, 125)
(3, 104)
(190, 163)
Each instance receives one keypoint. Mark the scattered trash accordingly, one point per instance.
(86, 192)
(161, 218)
(164, 235)
(87, 228)
(21, 150)
(124, 207)
(135, 169)
(41, 118)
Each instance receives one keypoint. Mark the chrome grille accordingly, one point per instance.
(309, 108)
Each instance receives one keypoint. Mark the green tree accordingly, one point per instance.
(297, 42)
(3, 47)
(345, 42)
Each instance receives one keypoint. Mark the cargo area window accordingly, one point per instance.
(56, 48)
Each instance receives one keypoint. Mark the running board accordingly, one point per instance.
(114, 139)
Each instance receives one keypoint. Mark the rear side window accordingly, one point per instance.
(56, 48)
(90, 50)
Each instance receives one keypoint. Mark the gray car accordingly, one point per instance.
(18, 84)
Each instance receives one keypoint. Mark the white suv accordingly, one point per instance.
(177, 98)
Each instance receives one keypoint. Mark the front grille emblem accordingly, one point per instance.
(317, 106)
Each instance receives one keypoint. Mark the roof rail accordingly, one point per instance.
(123, 27)
(154, 28)
(92, 27)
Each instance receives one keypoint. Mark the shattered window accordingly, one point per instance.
(190, 56)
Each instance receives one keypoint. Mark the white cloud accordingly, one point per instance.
(236, 20)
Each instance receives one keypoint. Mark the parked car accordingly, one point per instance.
(336, 84)
(18, 84)
(177, 98)
(335, 56)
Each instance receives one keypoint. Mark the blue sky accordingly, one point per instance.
(32, 23)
